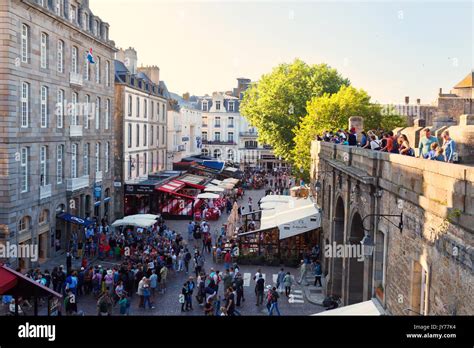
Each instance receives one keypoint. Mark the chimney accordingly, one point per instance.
(418, 101)
(153, 73)
(128, 57)
(440, 91)
(407, 100)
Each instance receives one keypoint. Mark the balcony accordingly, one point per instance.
(45, 191)
(75, 184)
(218, 142)
(75, 131)
(99, 176)
(248, 134)
(75, 79)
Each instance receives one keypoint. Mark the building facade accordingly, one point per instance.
(141, 123)
(56, 130)
(184, 129)
(418, 215)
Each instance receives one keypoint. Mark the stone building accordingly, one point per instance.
(423, 265)
(141, 123)
(56, 128)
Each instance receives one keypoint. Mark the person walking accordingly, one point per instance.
(317, 273)
(259, 289)
(182, 297)
(303, 271)
(187, 259)
(146, 296)
(238, 285)
(280, 277)
(163, 278)
(189, 295)
(274, 301)
(287, 281)
(230, 301)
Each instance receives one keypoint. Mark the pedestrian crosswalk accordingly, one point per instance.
(296, 295)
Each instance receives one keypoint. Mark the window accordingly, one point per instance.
(137, 143)
(205, 152)
(96, 28)
(107, 73)
(97, 113)
(60, 56)
(74, 161)
(204, 121)
(59, 7)
(217, 136)
(43, 166)
(97, 70)
(152, 136)
(25, 43)
(163, 114)
(73, 13)
(138, 106)
(144, 163)
(144, 135)
(130, 164)
(231, 122)
(87, 70)
(231, 106)
(138, 164)
(152, 162)
(204, 136)
(97, 157)
(217, 153)
(24, 224)
(85, 159)
(158, 110)
(44, 216)
(107, 158)
(163, 135)
(44, 107)
(204, 106)
(85, 21)
(230, 137)
(152, 111)
(60, 109)
(25, 105)
(145, 108)
(44, 51)
(129, 135)
(24, 169)
(59, 164)
(217, 122)
(218, 105)
(130, 105)
(86, 112)
(230, 155)
(107, 114)
(74, 120)
(74, 60)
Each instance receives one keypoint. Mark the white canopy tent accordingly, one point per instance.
(212, 188)
(371, 308)
(207, 195)
(139, 220)
(232, 181)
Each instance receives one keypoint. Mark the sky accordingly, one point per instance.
(392, 49)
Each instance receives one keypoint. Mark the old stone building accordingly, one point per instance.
(418, 214)
(56, 130)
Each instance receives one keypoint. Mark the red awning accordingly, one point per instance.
(182, 195)
(171, 186)
(7, 281)
(22, 285)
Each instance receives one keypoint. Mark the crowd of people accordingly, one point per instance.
(379, 140)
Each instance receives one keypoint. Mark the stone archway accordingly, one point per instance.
(356, 265)
(338, 239)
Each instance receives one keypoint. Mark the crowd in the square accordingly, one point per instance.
(386, 141)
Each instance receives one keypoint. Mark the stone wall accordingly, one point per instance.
(437, 203)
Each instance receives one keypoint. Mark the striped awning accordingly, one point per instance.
(171, 186)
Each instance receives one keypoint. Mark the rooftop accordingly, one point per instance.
(467, 82)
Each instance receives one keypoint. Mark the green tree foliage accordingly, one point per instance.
(277, 103)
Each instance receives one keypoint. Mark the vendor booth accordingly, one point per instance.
(289, 227)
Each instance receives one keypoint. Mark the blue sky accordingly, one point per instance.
(389, 48)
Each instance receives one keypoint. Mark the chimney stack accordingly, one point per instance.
(440, 91)
(407, 100)
(418, 101)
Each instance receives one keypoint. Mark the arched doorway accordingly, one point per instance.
(356, 266)
(338, 239)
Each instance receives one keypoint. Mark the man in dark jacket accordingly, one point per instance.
(238, 285)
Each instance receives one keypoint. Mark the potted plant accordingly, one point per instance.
(379, 292)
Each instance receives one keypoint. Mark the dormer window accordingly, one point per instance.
(85, 21)
(204, 105)
(218, 105)
(73, 13)
(231, 106)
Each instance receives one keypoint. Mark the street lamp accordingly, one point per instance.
(368, 246)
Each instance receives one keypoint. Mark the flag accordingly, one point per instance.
(90, 57)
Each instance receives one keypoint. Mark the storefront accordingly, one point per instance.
(178, 199)
(141, 198)
(289, 227)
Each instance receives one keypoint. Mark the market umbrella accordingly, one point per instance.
(207, 195)
(214, 189)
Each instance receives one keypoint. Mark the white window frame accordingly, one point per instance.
(86, 112)
(60, 56)
(138, 106)
(43, 166)
(107, 113)
(137, 140)
(74, 161)
(130, 105)
(145, 168)
(205, 105)
(97, 113)
(24, 154)
(129, 135)
(44, 107)
(231, 106)
(74, 117)
(44, 51)
(107, 73)
(59, 164)
(74, 66)
(85, 159)
(60, 109)
(85, 21)
(218, 105)
(25, 105)
(145, 137)
(97, 70)
(87, 70)
(97, 157)
(107, 156)
(25, 43)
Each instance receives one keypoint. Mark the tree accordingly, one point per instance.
(277, 103)
(332, 112)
